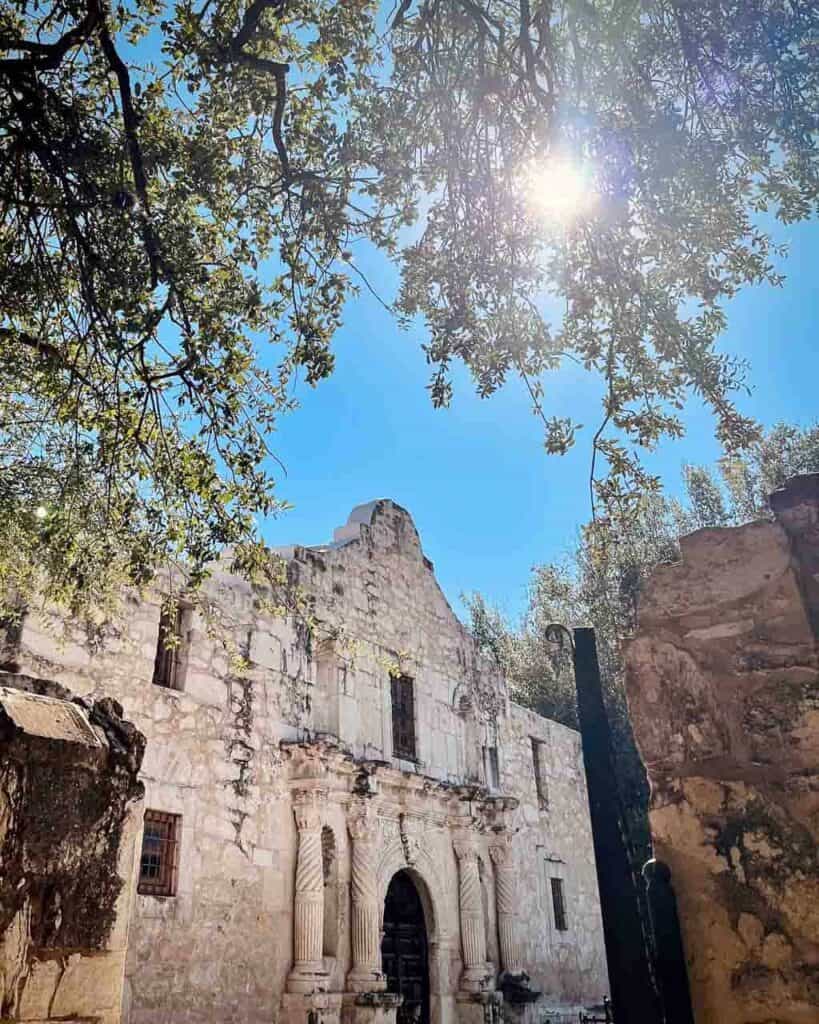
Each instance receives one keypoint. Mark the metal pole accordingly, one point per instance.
(670, 966)
(633, 994)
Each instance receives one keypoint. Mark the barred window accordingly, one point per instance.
(559, 904)
(160, 854)
(168, 653)
(403, 717)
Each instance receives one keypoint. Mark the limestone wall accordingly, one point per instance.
(229, 752)
(69, 821)
(723, 684)
(557, 843)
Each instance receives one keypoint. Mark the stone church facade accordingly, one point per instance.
(359, 812)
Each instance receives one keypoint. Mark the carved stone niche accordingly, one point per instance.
(463, 702)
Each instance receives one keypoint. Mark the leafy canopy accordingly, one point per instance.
(598, 584)
(183, 187)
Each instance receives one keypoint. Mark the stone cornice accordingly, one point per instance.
(322, 763)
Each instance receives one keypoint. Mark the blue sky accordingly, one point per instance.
(488, 501)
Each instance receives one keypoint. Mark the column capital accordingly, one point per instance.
(500, 850)
(307, 808)
(362, 820)
(465, 848)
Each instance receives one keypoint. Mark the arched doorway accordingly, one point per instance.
(404, 957)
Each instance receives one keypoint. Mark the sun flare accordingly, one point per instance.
(560, 189)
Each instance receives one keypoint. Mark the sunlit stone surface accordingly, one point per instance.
(296, 814)
(723, 680)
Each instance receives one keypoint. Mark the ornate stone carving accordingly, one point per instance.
(505, 888)
(465, 850)
(363, 821)
(307, 808)
(308, 909)
(501, 854)
(477, 975)
(365, 976)
(389, 829)
(411, 838)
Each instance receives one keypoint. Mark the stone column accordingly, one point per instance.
(308, 911)
(366, 975)
(478, 974)
(501, 854)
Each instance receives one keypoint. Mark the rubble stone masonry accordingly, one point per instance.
(70, 818)
(294, 811)
(723, 686)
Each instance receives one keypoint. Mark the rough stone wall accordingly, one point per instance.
(69, 821)
(220, 754)
(568, 964)
(723, 685)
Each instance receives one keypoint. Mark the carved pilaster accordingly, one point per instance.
(478, 973)
(365, 975)
(308, 909)
(501, 854)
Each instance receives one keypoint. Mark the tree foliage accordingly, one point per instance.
(599, 584)
(183, 186)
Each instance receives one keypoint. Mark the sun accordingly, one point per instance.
(560, 189)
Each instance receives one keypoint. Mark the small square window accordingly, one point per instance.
(160, 854)
(559, 904)
(403, 717)
(169, 653)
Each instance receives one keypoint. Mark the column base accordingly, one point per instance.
(370, 1007)
(366, 981)
(306, 978)
(480, 978)
(316, 1008)
(479, 1007)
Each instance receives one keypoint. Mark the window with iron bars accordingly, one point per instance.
(403, 717)
(559, 905)
(160, 854)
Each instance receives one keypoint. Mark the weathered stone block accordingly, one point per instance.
(69, 819)
(723, 682)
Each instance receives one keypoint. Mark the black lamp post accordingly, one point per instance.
(633, 994)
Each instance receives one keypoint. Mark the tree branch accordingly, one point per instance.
(50, 54)
(131, 125)
(251, 19)
(278, 69)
